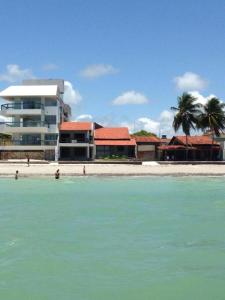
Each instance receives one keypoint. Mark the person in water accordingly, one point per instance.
(28, 160)
(17, 174)
(57, 174)
(84, 171)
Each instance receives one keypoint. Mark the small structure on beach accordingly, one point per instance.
(147, 147)
(199, 148)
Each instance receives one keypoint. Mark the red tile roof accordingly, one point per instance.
(76, 126)
(117, 133)
(195, 140)
(174, 147)
(130, 142)
(146, 139)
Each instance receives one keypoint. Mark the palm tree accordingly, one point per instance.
(213, 118)
(186, 116)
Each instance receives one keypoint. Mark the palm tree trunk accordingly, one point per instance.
(186, 147)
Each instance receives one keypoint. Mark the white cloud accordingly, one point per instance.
(162, 125)
(14, 74)
(71, 95)
(130, 97)
(166, 121)
(98, 70)
(143, 123)
(200, 98)
(190, 81)
(50, 67)
(147, 124)
(84, 117)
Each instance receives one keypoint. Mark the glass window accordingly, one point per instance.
(50, 102)
(51, 137)
(31, 103)
(50, 119)
(31, 139)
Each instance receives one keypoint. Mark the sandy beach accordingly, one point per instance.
(9, 169)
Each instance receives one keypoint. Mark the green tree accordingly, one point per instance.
(186, 115)
(144, 133)
(212, 118)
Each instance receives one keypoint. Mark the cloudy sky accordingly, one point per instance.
(124, 62)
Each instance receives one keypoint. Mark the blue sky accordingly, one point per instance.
(139, 54)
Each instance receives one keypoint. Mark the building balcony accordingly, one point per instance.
(24, 127)
(16, 109)
(75, 143)
(8, 145)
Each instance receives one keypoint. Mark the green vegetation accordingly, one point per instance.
(212, 117)
(191, 115)
(186, 117)
(144, 133)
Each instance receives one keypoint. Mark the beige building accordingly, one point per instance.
(33, 112)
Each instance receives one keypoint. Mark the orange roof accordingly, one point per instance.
(116, 133)
(130, 142)
(146, 139)
(174, 147)
(76, 126)
(195, 140)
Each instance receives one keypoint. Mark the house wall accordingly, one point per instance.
(39, 155)
(146, 151)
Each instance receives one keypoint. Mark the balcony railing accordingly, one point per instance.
(26, 124)
(28, 143)
(70, 141)
(21, 105)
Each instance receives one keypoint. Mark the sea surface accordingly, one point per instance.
(112, 238)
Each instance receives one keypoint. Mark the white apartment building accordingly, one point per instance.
(33, 113)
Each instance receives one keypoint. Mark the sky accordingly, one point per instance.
(124, 62)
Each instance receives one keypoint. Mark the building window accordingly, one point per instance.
(31, 139)
(50, 119)
(31, 103)
(50, 102)
(51, 139)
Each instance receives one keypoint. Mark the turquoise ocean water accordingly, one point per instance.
(112, 238)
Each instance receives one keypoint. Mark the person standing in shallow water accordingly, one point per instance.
(57, 174)
(17, 174)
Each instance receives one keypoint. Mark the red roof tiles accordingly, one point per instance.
(195, 140)
(119, 133)
(76, 126)
(130, 142)
(146, 139)
(174, 147)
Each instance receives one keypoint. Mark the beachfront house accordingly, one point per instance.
(114, 142)
(199, 149)
(32, 114)
(147, 147)
(221, 140)
(76, 141)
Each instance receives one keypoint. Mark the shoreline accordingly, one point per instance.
(108, 170)
(41, 176)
